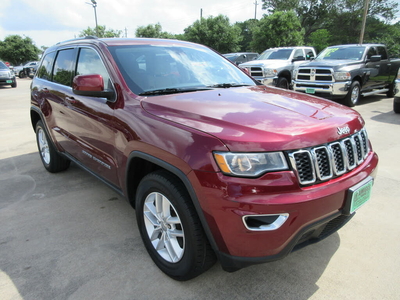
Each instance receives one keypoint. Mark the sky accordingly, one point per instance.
(48, 22)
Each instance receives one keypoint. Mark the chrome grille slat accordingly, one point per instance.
(321, 163)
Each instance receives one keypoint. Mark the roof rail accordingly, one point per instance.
(88, 37)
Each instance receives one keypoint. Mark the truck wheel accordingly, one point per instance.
(390, 92)
(396, 105)
(353, 95)
(170, 228)
(14, 84)
(282, 83)
(21, 74)
(51, 159)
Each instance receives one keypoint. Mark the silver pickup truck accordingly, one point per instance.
(275, 65)
(348, 72)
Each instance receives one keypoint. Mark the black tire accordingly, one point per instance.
(51, 159)
(353, 96)
(179, 248)
(390, 92)
(21, 74)
(282, 83)
(14, 84)
(396, 105)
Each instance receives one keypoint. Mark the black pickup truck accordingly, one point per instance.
(348, 72)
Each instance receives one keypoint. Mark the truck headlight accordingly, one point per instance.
(270, 72)
(250, 164)
(341, 76)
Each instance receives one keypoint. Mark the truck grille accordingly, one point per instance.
(256, 71)
(321, 163)
(310, 74)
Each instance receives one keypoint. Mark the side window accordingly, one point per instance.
(382, 52)
(298, 52)
(44, 71)
(309, 53)
(371, 52)
(64, 67)
(89, 62)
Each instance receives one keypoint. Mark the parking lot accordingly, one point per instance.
(69, 236)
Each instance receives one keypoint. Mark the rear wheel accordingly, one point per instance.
(353, 95)
(51, 159)
(21, 74)
(170, 228)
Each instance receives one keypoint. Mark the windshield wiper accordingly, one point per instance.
(228, 85)
(173, 91)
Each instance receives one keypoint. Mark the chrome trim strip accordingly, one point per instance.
(273, 226)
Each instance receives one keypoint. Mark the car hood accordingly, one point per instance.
(330, 63)
(257, 118)
(266, 62)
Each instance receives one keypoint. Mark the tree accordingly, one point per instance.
(18, 50)
(320, 39)
(153, 31)
(247, 28)
(278, 30)
(101, 32)
(216, 33)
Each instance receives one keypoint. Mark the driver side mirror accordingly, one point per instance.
(91, 85)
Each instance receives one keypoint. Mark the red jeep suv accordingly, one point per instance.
(216, 165)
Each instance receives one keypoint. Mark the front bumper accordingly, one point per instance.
(314, 212)
(335, 89)
(271, 81)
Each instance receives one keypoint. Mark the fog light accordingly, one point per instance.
(264, 222)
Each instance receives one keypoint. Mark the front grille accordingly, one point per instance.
(256, 71)
(321, 163)
(308, 74)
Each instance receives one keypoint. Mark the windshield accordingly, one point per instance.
(170, 69)
(283, 54)
(342, 53)
(3, 66)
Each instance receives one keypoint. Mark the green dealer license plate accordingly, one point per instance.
(359, 195)
(8, 81)
(310, 91)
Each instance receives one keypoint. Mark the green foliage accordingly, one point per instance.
(320, 39)
(153, 31)
(101, 32)
(278, 30)
(391, 38)
(247, 28)
(216, 33)
(18, 50)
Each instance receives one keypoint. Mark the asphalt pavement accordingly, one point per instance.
(69, 236)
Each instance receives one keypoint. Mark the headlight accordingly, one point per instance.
(270, 72)
(250, 164)
(342, 76)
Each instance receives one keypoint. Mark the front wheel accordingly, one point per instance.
(170, 228)
(353, 95)
(396, 105)
(282, 83)
(51, 159)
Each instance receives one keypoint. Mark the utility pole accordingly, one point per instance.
(255, 9)
(366, 4)
(201, 14)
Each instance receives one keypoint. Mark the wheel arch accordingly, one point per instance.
(35, 117)
(286, 74)
(140, 164)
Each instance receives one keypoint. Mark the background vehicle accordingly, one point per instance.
(396, 99)
(216, 164)
(241, 57)
(28, 69)
(348, 72)
(7, 77)
(275, 66)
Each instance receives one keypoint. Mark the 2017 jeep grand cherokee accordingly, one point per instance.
(215, 164)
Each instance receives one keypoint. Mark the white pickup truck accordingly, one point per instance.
(275, 65)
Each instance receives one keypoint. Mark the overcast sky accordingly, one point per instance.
(47, 22)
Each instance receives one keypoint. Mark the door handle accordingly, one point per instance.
(71, 100)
